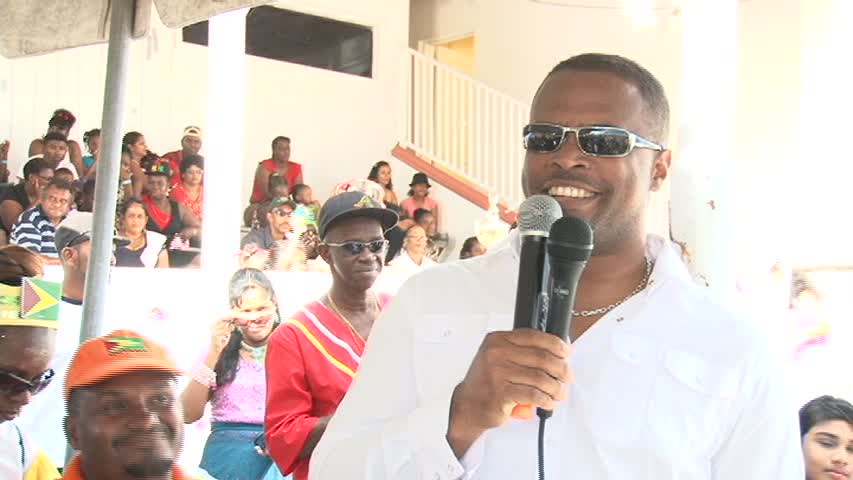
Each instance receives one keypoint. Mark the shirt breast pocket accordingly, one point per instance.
(444, 346)
(690, 399)
(616, 399)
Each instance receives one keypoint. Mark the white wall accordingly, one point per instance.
(781, 76)
(340, 124)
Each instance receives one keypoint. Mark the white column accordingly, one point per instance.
(224, 145)
(703, 199)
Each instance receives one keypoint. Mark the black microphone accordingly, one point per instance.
(569, 248)
(535, 217)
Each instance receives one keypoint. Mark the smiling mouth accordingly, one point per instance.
(570, 192)
(838, 474)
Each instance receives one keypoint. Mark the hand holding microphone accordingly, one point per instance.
(524, 366)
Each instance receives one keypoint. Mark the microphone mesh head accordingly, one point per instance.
(570, 239)
(537, 214)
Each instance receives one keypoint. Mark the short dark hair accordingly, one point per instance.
(60, 184)
(298, 189)
(467, 247)
(125, 206)
(276, 180)
(279, 138)
(54, 137)
(420, 213)
(192, 161)
(35, 166)
(630, 71)
(824, 409)
(62, 118)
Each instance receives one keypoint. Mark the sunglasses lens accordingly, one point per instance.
(353, 248)
(543, 138)
(609, 142)
(43, 382)
(376, 246)
(11, 385)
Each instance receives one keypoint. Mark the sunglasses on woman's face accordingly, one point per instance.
(12, 384)
(355, 248)
(592, 141)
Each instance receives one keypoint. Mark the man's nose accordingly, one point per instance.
(569, 155)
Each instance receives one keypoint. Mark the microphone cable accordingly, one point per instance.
(543, 416)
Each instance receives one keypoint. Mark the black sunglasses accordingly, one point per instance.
(355, 248)
(12, 384)
(282, 213)
(592, 141)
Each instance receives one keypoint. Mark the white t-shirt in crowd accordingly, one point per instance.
(669, 385)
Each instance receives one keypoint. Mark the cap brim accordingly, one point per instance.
(387, 218)
(98, 375)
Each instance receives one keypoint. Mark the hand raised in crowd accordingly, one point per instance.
(221, 334)
(517, 367)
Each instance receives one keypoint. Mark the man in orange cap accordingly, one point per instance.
(124, 415)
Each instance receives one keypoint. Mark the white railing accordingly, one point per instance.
(462, 124)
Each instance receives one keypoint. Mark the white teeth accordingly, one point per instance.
(569, 192)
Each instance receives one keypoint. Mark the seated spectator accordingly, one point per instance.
(133, 150)
(436, 244)
(124, 416)
(92, 139)
(381, 174)
(471, 248)
(36, 227)
(278, 186)
(304, 195)
(63, 152)
(826, 430)
(419, 198)
(278, 226)
(146, 248)
(26, 194)
(64, 174)
(414, 256)
(190, 191)
(86, 196)
(27, 344)
(4, 161)
(190, 145)
(167, 216)
(279, 163)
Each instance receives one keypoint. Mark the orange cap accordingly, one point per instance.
(120, 352)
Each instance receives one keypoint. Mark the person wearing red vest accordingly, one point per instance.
(314, 355)
(279, 163)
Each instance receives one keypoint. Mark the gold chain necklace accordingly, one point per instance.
(601, 311)
(342, 317)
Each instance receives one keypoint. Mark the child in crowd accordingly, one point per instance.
(303, 195)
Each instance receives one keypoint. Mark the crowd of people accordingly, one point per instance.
(660, 379)
(162, 196)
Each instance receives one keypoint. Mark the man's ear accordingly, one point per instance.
(325, 253)
(68, 254)
(660, 169)
(69, 424)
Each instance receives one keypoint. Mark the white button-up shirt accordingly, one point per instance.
(669, 385)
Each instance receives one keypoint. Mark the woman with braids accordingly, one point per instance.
(232, 378)
(27, 345)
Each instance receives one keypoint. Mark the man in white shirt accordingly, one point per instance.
(660, 381)
(42, 419)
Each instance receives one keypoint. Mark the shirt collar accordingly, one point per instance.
(668, 264)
